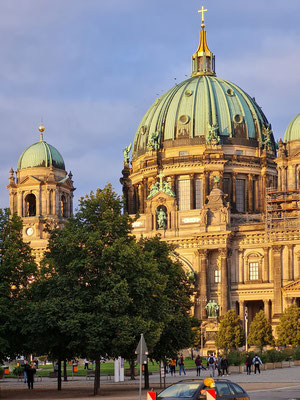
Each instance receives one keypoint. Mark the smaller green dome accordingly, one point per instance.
(41, 154)
(293, 130)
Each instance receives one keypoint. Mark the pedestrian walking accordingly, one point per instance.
(248, 364)
(30, 375)
(218, 365)
(25, 366)
(224, 365)
(86, 364)
(211, 363)
(198, 362)
(256, 361)
(173, 367)
(181, 365)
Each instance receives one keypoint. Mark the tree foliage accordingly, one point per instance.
(288, 330)
(260, 331)
(231, 333)
(99, 288)
(17, 267)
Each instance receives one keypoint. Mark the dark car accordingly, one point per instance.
(191, 390)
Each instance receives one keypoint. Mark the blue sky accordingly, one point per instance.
(91, 68)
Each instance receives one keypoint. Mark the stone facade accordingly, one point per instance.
(222, 235)
(40, 195)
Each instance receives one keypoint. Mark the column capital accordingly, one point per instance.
(276, 249)
(203, 253)
(223, 252)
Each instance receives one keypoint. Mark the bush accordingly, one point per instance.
(236, 357)
(296, 353)
(274, 356)
(18, 370)
(287, 354)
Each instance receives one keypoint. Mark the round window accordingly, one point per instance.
(188, 92)
(184, 119)
(230, 92)
(238, 119)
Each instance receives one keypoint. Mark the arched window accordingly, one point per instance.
(30, 205)
(63, 206)
(184, 194)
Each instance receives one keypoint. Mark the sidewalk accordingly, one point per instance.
(80, 388)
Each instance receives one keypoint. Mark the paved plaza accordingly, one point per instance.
(272, 384)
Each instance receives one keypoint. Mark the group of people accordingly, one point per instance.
(29, 372)
(172, 365)
(219, 363)
(256, 361)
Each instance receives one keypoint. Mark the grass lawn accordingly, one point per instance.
(106, 368)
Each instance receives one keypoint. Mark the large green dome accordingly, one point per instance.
(41, 154)
(293, 130)
(188, 111)
(203, 109)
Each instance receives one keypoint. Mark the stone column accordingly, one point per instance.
(201, 297)
(241, 266)
(290, 262)
(263, 189)
(277, 280)
(145, 194)
(267, 308)
(242, 311)
(224, 281)
(234, 191)
(141, 198)
(266, 265)
(250, 193)
(205, 186)
(20, 204)
(38, 202)
(192, 191)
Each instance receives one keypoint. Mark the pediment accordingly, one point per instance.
(30, 180)
(292, 287)
(161, 194)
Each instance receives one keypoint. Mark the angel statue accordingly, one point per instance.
(126, 152)
(161, 219)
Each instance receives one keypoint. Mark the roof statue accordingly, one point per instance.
(126, 152)
(161, 186)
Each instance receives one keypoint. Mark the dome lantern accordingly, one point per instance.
(203, 60)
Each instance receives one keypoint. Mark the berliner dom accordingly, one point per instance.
(206, 174)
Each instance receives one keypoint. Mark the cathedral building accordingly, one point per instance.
(40, 192)
(207, 175)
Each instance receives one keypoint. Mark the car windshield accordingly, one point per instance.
(180, 390)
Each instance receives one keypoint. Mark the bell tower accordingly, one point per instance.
(40, 192)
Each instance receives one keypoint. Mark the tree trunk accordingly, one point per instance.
(65, 371)
(97, 376)
(132, 377)
(59, 375)
(146, 376)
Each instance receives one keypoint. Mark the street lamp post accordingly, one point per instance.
(246, 327)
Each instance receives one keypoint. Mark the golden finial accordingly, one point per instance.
(202, 11)
(41, 129)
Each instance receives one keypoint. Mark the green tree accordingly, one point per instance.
(260, 331)
(100, 289)
(17, 268)
(288, 330)
(231, 333)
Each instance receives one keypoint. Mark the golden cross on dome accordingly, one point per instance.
(202, 11)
